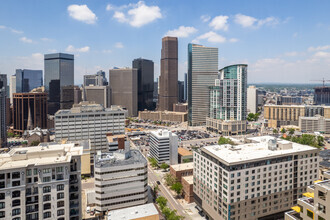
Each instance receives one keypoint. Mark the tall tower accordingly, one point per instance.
(168, 79)
(3, 95)
(202, 71)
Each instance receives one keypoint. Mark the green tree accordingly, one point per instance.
(186, 160)
(35, 143)
(291, 131)
(283, 130)
(161, 201)
(320, 141)
(177, 187)
(275, 131)
(169, 179)
(10, 134)
(153, 162)
(250, 117)
(223, 140)
(164, 166)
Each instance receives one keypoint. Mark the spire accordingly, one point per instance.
(29, 122)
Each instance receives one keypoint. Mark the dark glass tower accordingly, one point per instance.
(145, 70)
(26, 80)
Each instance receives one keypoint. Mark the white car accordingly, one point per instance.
(88, 209)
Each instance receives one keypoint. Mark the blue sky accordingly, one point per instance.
(281, 41)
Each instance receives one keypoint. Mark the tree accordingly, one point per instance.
(250, 117)
(320, 140)
(223, 140)
(283, 130)
(177, 187)
(161, 201)
(153, 162)
(169, 179)
(275, 131)
(35, 143)
(10, 134)
(164, 166)
(291, 131)
(187, 160)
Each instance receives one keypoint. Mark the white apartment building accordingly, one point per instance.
(121, 180)
(41, 183)
(253, 180)
(92, 122)
(164, 147)
(252, 99)
(317, 123)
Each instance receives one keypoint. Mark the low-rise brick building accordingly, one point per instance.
(181, 170)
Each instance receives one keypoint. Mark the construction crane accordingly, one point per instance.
(323, 81)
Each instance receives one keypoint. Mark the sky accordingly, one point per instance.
(281, 41)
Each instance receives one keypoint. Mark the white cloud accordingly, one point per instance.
(291, 54)
(322, 54)
(26, 40)
(211, 37)
(182, 31)
(205, 18)
(52, 50)
(45, 39)
(139, 14)
(2, 27)
(11, 29)
(106, 51)
(72, 49)
(109, 7)
(319, 48)
(233, 40)
(248, 21)
(119, 45)
(82, 13)
(219, 23)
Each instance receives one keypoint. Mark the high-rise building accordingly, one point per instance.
(180, 91)
(97, 79)
(29, 111)
(67, 97)
(92, 122)
(124, 89)
(155, 91)
(185, 86)
(77, 94)
(3, 112)
(41, 182)
(99, 94)
(59, 72)
(252, 99)
(121, 180)
(164, 147)
(322, 95)
(26, 80)
(168, 79)
(262, 178)
(12, 87)
(202, 71)
(145, 71)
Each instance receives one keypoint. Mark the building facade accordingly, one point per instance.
(145, 71)
(89, 122)
(168, 79)
(315, 124)
(121, 180)
(202, 71)
(67, 97)
(29, 111)
(322, 95)
(12, 87)
(26, 80)
(99, 94)
(97, 79)
(252, 99)
(164, 147)
(3, 108)
(124, 89)
(257, 180)
(181, 91)
(185, 86)
(163, 116)
(41, 183)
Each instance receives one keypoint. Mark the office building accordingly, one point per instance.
(97, 79)
(164, 147)
(315, 124)
(121, 180)
(257, 180)
(117, 142)
(281, 115)
(184, 155)
(3, 110)
(180, 107)
(12, 87)
(315, 204)
(290, 100)
(322, 95)
(99, 94)
(140, 212)
(252, 99)
(41, 182)
(145, 71)
(181, 170)
(155, 98)
(29, 111)
(26, 80)
(181, 91)
(59, 72)
(168, 79)
(92, 122)
(163, 116)
(124, 89)
(185, 86)
(202, 71)
(67, 97)
(77, 92)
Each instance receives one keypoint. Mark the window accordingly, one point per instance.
(60, 195)
(47, 214)
(2, 214)
(2, 205)
(47, 206)
(60, 187)
(16, 194)
(16, 175)
(46, 198)
(59, 169)
(48, 170)
(16, 202)
(16, 212)
(46, 179)
(60, 204)
(2, 196)
(46, 189)
(60, 212)
(310, 214)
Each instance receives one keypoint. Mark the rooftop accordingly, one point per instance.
(135, 212)
(262, 148)
(89, 107)
(324, 184)
(188, 179)
(40, 155)
(183, 166)
(184, 152)
(162, 133)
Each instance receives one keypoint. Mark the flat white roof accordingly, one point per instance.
(162, 133)
(183, 166)
(253, 151)
(134, 212)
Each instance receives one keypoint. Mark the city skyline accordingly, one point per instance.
(280, 43)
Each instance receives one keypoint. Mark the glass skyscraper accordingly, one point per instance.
(26, 80)
(202, 71)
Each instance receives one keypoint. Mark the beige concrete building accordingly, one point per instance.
(98, 94)
(41, 182)
(141, 212)
(252, 181)
(180, 107)
(163, 116)
(225, 127)
(315, 204)
(314, 124)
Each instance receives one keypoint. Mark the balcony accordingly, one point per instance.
(293, 215)
(73, 189)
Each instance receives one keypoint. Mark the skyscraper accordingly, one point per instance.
(26, 80)
(12, 87)
(124, 89)
(202, 71)
(145, 70)
(97, 79)
(252, 99)
(185, 86)
(168, 79)
(180, 91)
(3, 95)
(99, 94)
(59, 67)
